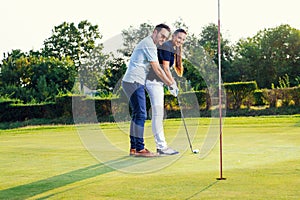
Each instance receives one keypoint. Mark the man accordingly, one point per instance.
(143, 58)
(168, 54)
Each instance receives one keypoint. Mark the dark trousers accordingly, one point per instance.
(135, 92)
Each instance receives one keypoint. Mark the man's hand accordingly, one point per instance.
(173, 89)
(160, 72)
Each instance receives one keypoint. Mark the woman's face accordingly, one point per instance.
(178, 39)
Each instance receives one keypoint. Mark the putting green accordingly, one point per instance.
(261, 160)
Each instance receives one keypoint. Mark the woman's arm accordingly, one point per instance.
(161, 73)
(166, 67)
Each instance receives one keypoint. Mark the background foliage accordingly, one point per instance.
(72, 60)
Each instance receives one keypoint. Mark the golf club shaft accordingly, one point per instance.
(183, 120)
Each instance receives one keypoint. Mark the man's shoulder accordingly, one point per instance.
(147, 41)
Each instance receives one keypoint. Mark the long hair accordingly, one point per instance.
(178, 67)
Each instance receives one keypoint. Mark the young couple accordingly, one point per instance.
(149, 67)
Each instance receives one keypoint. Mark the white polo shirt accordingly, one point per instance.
(139, 64)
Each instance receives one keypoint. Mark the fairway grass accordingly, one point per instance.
(261, 160)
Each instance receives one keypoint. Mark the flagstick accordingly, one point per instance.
(220, 95)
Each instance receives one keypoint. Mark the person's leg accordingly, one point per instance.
(139, 114)
(132, 137)
(137, 99)
(156, 93)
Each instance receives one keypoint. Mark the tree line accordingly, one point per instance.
(74, 54)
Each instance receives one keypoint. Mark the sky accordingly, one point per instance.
(25, 24)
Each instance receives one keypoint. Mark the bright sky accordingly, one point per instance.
(25, 24)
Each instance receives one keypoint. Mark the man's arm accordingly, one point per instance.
(160, 73)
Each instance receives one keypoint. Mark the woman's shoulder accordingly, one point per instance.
(167, 46)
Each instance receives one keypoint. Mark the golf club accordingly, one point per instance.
(195, 151)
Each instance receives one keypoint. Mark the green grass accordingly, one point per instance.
(261, 161)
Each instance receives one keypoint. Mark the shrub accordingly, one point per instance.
(100, 110)
(283, 95)
(258, 98)
(237, 92)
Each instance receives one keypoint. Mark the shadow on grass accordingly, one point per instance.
(202, 190)
(31, 189)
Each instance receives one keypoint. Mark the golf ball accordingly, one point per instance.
(196, 150)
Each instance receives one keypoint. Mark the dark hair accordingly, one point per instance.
(180, 30)
(161, 26)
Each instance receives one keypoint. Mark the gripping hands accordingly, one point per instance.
(173, 89)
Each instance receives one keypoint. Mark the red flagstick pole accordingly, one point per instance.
(220, 95)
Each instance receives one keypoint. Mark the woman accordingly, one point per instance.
(169, 52)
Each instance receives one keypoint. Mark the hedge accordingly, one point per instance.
(87, 109)
(282, 96)
(237, 92)
(26, 112)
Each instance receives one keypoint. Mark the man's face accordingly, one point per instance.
(161, 36)
(178, 39)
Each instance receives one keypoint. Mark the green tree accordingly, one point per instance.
(246, 59)
(59, 73)
(93, 67)
(209, 41)
(77, 42)
(270, 54)
(280, 51)
(67, 39)
(10, 70)
(113, 72)
(38, 78)
(132, 36)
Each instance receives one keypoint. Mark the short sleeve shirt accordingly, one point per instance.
(165, 52)
(139, 64)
